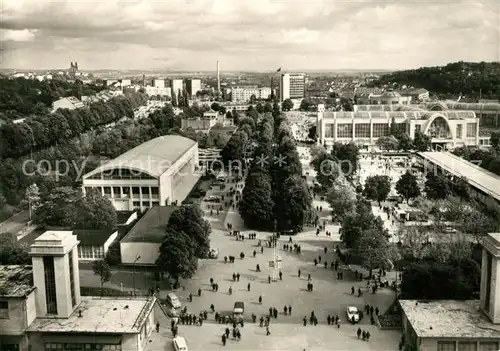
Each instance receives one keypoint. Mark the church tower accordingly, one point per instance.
(56, 275)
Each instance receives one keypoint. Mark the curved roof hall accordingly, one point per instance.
(153, 157)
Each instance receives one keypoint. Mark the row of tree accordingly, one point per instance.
(20, 98)
(45, 130)
(488, 159)
(276, 196)
(187, 239)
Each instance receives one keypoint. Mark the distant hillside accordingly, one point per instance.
(454, 78)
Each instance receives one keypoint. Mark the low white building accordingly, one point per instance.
(142, 243)
(94, 244)
(71, 103)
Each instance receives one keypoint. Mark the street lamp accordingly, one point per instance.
(133, 271)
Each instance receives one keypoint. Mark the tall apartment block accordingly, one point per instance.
(176, 85)
(292, 86)
(193, 86)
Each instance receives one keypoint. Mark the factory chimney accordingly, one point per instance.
(218, 80)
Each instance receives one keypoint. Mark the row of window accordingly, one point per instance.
(83, 347)
(361, 130)
(90, 252)
(118, 191)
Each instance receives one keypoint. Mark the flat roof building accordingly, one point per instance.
(71, 103)
(193, 86)
(142, 243)
(447, 129)
(156, 173)
(459, 325)
(292, 86)
(41, 308)
(484, 182)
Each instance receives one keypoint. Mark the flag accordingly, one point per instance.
(278, 70)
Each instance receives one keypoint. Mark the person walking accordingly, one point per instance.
(248, 286)
(281, 275)
(157, 327)
(199, 292)
(367, 336)
(267, 331)
(285, 310)
(260, 299)
(359, 332)
(352, 290)
(290, 310)
(224, 339)
(298, 273)
(304, 321)
(269, 279)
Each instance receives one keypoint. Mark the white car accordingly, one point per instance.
(179, 343)
(352, 312)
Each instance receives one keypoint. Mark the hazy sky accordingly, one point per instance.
(257, 35)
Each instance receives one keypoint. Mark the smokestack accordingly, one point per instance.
(218, 79)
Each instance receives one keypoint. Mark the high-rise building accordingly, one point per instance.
(292, 85)
(158, 83)
(176, 85)
(193, 86)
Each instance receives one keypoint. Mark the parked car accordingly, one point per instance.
(352, 312)
(173, 301)
(179, 343)
(213, 253)
(238, 310)
(172, 314)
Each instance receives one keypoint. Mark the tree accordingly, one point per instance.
(355, 223)
(260, 107)
(253, 99)
(404, 142)
(268, 108)
(477, 224)
(387, 142)
(236, 117)
(32, 198)
(58, 208)
(377, 188)
(11, 253)
(312, 133)
(234, 150)
(460, 186)
(95, 212)
(174, 99)
(287, 105)
(101, 268)
(347, 157)
(422, 142)
(215, 106)
(373, 248)
(342, 198)
(177, 256)
(407, 186)
(256, 206)
(326, 168)
(394, 130)
(189, 219)
(436, 186)
(293, 205)
(495, 140)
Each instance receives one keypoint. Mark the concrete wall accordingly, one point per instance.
(18, 316)
(130, 342)
(148, 251)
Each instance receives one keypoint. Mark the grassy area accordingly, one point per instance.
(6, 212)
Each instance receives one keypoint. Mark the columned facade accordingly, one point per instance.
(490, 277)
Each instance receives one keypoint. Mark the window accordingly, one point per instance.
(471, 130)
(145, 203)
(107, 191)
(380, 130)
(136, 204)
(467, 346)
(155, 203)
(154, 190)
(72, 278)
(446, 346)
(116, 191)
(488, 346)
(136, 191)
(362, 130)
(329, 130)
(145, 191)
(54, 346)
(50, 285)
(459, 132)
(344, 130)
(4, 309)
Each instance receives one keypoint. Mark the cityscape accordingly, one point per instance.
(211, 175)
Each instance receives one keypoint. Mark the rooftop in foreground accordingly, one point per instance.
(105, 315)
(448, 318)
(151, 227)
(478, 177)
(16, 281)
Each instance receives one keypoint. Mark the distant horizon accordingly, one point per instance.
(246, 35)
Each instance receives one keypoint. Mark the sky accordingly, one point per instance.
(246, 35)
